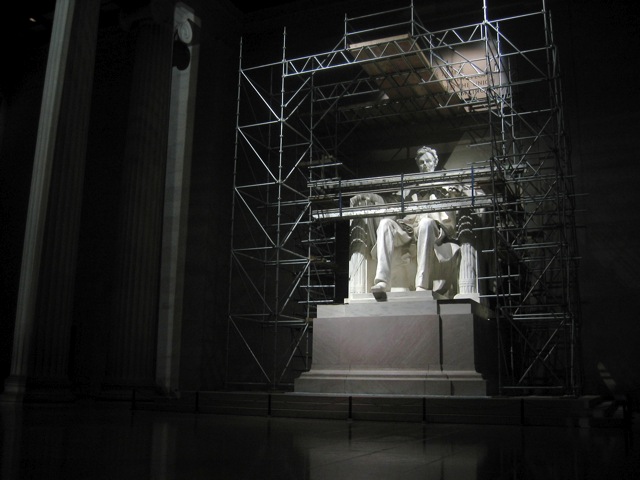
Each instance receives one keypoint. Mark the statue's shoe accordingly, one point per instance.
(379, 291)
(379, 287)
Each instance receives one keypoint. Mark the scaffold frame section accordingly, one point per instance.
(293, 119)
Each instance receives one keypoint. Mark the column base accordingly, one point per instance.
(467, 296)
(19, 389)
(126, 392)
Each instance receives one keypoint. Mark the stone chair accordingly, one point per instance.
(454, 264)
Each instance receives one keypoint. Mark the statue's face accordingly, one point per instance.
(426, 161)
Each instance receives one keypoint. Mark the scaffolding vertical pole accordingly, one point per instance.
(490, 100)
(279, 245)
(309, 216)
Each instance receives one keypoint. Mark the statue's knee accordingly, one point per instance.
(385, 224)
(427, 225)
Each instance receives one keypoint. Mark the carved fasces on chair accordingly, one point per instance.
(362, 237)
(468, 268)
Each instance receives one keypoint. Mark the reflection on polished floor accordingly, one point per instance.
(107, 442)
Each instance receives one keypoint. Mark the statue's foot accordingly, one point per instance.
(379, 291)
(379, 287)
(426, 292)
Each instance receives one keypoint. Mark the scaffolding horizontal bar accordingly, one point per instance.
(398, 208)
(500, 295)
(533, 387)
(426, 179)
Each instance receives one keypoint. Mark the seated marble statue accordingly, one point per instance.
(424, 252)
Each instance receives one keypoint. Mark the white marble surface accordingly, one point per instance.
(409, 345)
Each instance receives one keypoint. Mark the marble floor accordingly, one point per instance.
(108, 442)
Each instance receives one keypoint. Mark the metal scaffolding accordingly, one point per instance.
(303, 122)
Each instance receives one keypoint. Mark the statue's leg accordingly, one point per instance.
(426, 235)
(385, 240)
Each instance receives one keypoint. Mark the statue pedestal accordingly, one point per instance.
(410, 344)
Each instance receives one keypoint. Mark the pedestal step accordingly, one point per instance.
(395, 382)
(411, 344)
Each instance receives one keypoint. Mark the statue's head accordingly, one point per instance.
(426, 159)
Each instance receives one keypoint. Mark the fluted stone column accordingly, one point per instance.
(132, 344)
(176, 199)
(45, 298)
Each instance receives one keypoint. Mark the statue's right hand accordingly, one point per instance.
(357, 200)
(366, 199)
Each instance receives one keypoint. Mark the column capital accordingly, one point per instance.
(158, 12)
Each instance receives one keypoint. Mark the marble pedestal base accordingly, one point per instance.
(410, 344)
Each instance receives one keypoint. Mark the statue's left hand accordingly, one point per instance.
(442, 235)
(455, 191)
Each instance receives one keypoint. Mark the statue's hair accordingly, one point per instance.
(426, 149)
